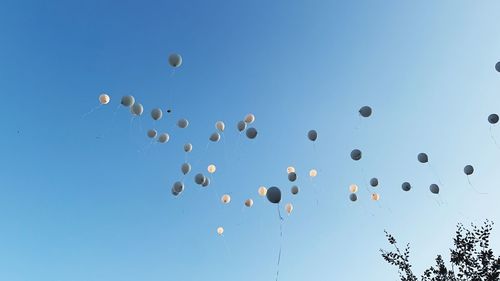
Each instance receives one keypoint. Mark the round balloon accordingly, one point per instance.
(137, 109)
(250, 118)
(356, 154)
(220, 230)
(312, 135)
(206, 182)
(353, 197)
(493, 118)
(365, 111)
(292, 176)
(249, 203)
(468, 170)
(175, 60)
(289, 208)
(225, 199)
(374, 182)
(185, 168)
(273, 195)
(290, 170)
(406, 186)
(295, 190)
(178, 187)
(262, 191)
(313, 173)
(163, 138)
(199, 178)
(353, 188)
(182, 123)
(128, 101)
(375, 197)
(152, 133)
(434, 188)
(211, 168)
(423, 158)
(188, 147)
(219, 125)
(156, 114)
(251, 133)
(215, 137)
(241, 126)
(104, 99)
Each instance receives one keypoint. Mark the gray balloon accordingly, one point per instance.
(273, 195)
(137, 109)
(356, 154)
(374, 182)
(497, 66)
(175, 60)
(493, 118)
(163, 138)
(292, 176)
(312, 135)
(295, 190)
(199, 178)
(406, 186)
(178, 187)
(468, 170)
(241, 126)
(365, 111)
(152, 133)
(215, 137)
(128, 101)
(353, 197)
(188, 147)
(251, 133)
(423, 158)
(174, 193)
(185, 168)
(156, 114)
(182, 123)
(434, 188)
(206, 182)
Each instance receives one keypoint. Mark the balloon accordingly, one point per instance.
(137, 109)
(290, 170)
(356, 154)
(199, 178)
(241, 126)
(215, 137)
(468, 170)
(175, 60)
(292, 176)
(423, 158)
(211, 168)
(182, 123)
(406, 186)
(163, 138)
(188, 147)
(152, 133)
(185, 168)
(374, 182)
(375, 197)
(493, 118)
(312, 135)
(353, 188)
(250, 118)
(251, 133)
(313, 173)
(365, 111)
(434, 188)
(206, 182)
(353, 197)
(178, 187)
(219, 125)
(262, 191)
(289, 208)
(295, 190)
(249, 203)
(497, 66)
(156, 114)
(104, 99)
(273, 195)
(220, 230)
(128, 101)
(225, 199)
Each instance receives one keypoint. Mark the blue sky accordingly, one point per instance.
(88, 198)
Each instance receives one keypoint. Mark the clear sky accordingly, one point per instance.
(87, 198)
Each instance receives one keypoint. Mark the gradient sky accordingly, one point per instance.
(87, 197)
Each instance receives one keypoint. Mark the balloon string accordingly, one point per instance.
(91, 111)
(112, 120)
(473, 188)
(493, 138)
(435, 173)
(281, 243)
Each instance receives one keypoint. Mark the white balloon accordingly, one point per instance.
(220, 126)
(225, 199)
(250, 118)
(104, 99)
(289, 208)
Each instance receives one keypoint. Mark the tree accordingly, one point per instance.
(471, 258)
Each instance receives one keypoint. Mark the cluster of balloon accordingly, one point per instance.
(250, 132)
(353, 188)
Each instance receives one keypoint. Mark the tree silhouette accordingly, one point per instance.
(471, 259)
